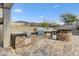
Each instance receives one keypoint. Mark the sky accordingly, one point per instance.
(39, 12)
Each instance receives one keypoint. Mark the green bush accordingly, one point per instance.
(44, 24)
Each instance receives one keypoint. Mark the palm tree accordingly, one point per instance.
(68, 18)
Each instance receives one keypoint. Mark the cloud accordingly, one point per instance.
(18, 10)
(42, 16)
(59, 22)
(14, 18)
(77, 17)
(56, 6)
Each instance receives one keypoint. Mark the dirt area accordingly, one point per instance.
(43, 47)
(75, 44)
(76, 41)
